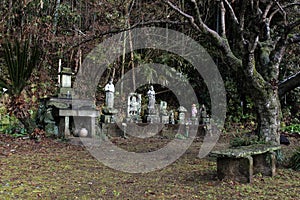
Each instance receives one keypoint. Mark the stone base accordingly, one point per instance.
(153, 119)
(195, 121)
(109, 115)
(165, 119)
(133, 119)
(108, 118)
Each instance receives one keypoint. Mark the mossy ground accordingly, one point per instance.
(52, 169)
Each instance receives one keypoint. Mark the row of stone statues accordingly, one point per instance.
(109, 98)
(152, 115)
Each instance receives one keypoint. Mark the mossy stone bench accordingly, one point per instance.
(239, 164)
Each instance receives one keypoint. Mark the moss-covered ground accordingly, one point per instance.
(52, 169)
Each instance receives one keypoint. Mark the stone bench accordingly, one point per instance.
(239, 164)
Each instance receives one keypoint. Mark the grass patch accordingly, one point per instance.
(55, 170)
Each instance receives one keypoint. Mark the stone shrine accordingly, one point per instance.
(72, 111)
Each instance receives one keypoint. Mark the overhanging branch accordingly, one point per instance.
(116, 31)
(289, 84)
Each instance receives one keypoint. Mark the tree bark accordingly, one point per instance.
(269, 112)
(266, 98)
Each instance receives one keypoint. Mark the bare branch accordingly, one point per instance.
(201, 27)
(231, 11)
(115, 31)
(269, 6)
(189, 17)
(252, 49)
(223, 23)
(242, 20)
(267, 20)
(284, 7)
(289, 84)
(283, 12)
(221, 42)
(197, 11)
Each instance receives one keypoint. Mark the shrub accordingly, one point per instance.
(295, 160)
(245, 141)
(293, 128)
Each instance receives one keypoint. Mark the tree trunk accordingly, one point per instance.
(269, 112)
(265, 96)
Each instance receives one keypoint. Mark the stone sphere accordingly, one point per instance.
(83, 132)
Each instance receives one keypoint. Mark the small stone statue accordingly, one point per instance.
(151, 97)
(194, 111)
(171, 117)
(203, 115)
(133, 109)
(109, 94)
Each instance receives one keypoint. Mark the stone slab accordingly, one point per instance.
(245, 151)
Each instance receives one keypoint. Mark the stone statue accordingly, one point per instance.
(109, 94)
(171, 117)
(194, 111)
(133, 108)
(151, 97)
(203, 115)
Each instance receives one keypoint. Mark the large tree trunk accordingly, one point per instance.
(264, 92)
(269, 112)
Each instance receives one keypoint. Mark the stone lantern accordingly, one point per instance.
(66, 83)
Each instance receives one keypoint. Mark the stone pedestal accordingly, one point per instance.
(110, 115)
(195, 121)
(153, 119)
(165, 119)
(181, 114)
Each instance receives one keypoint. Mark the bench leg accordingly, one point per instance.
(265, 164)
(237, 169)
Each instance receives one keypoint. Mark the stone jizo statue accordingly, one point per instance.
(109, 94)
(151, 97)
